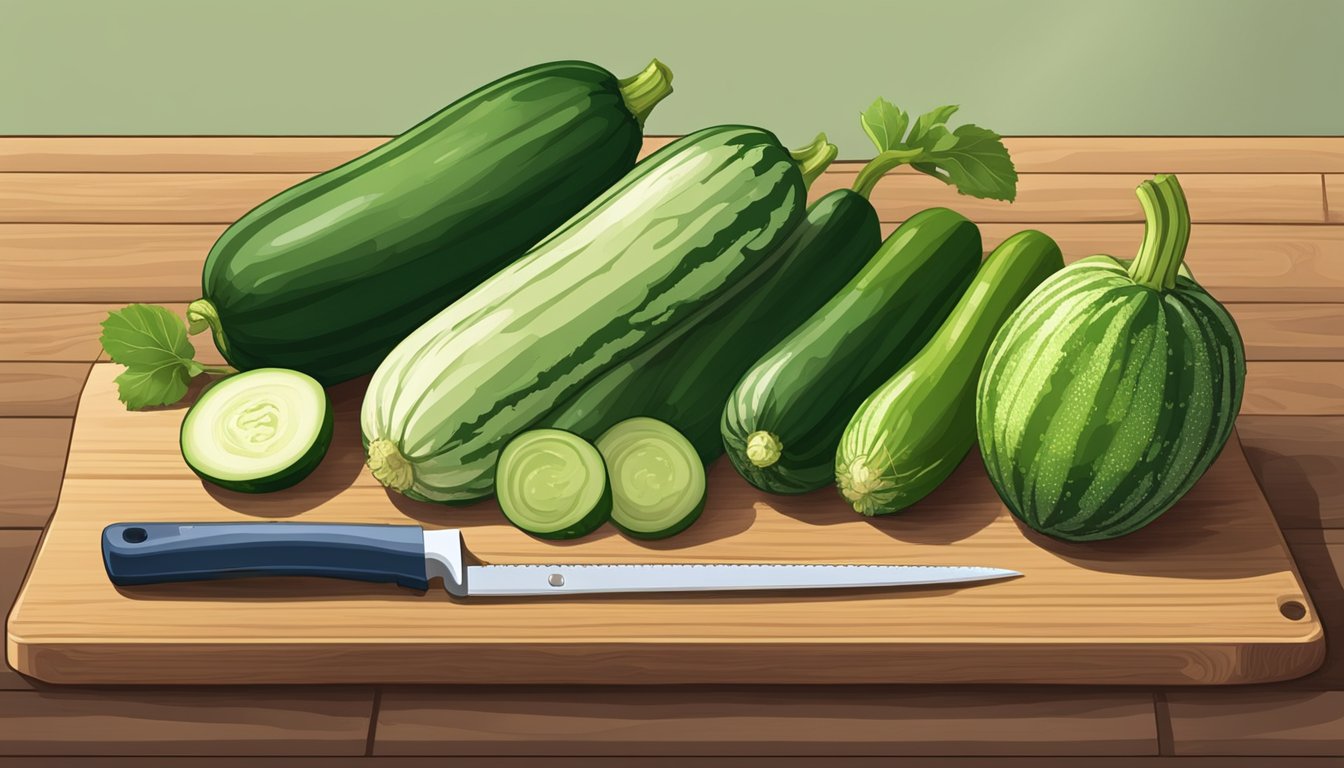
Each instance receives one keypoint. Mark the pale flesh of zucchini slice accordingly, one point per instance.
(657, 478)
(553, 484)
(261, 430)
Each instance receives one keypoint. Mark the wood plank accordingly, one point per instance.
(51, 332)
(1290, 331)
(162, 263)
(1294, 388)
(1177, 154)
(41, 389)
(103, 263)
(217, 154)
(1334, 198)
(1299, 461)
(190, 722)
(159, 198)
(222, 198)
(32, 463)
(1031, 154)
(16, 552)
(1213, 198)
(785, 721)
(679, 761)
(192, 154)
(1287, 263)
(1194, 597)
(1251, 722)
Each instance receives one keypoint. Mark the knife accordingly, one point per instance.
(152, 553)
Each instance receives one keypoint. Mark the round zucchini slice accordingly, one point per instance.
(258, 431)
(657, 478)
(553, 484)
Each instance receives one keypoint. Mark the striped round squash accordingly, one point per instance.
(1112, 388)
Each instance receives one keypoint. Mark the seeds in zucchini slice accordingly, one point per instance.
(553, 484)
(657, 479)
(257, 431)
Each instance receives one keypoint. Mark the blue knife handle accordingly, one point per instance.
(152, 553)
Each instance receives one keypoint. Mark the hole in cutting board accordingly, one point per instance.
(1292, 610)
(134, 535)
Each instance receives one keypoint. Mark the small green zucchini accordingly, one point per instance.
(909, 434)
(783, 421)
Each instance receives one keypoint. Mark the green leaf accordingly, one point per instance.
(925, 122)
(152, 343)
(972, 159)
(144, 334)
(885, 124)
(141, 387)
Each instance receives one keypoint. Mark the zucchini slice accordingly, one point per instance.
(258, 431)
(657, 478)
(553, 484)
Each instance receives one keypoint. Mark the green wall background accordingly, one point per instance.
(1157, 67)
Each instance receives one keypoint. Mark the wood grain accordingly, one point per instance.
(32, 462)
(1290, 331)
(1031, 154)
(1213, 198)
(51, 332)
(1258, 723)
(203, 722)
(823, 720)
(128, 198)
(1299, 461)
(1334, 197)
(1244, 263)
(1294, 388)
(204, 198)
(1192, 598)
(162, 263)
(40, 389)
(16, 552)
(103, 263)
(680, 761)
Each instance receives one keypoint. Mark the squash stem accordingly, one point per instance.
(1166, 233)
(643, 91)
(201, 314)
(880, 166)
(388, 466)
(815, 158)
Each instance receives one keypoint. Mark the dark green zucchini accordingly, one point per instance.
(684, 377)
(327, 276)
(912, 431)
(686, 225)
(783, 421)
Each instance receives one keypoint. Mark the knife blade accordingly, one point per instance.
(151, 553)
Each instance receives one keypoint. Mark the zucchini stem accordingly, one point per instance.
(643, 91)
(201, 314)
(1166, 233)
(763, 448)
(219, 370)
(880, 166)
(388, 466)
(815, 158)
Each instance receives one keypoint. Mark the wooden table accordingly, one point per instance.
(89, 224)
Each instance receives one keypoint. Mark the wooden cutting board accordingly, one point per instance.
(1208, 594)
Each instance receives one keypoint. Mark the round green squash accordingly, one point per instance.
(1112, 388)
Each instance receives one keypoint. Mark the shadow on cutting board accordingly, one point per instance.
(955, 511)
